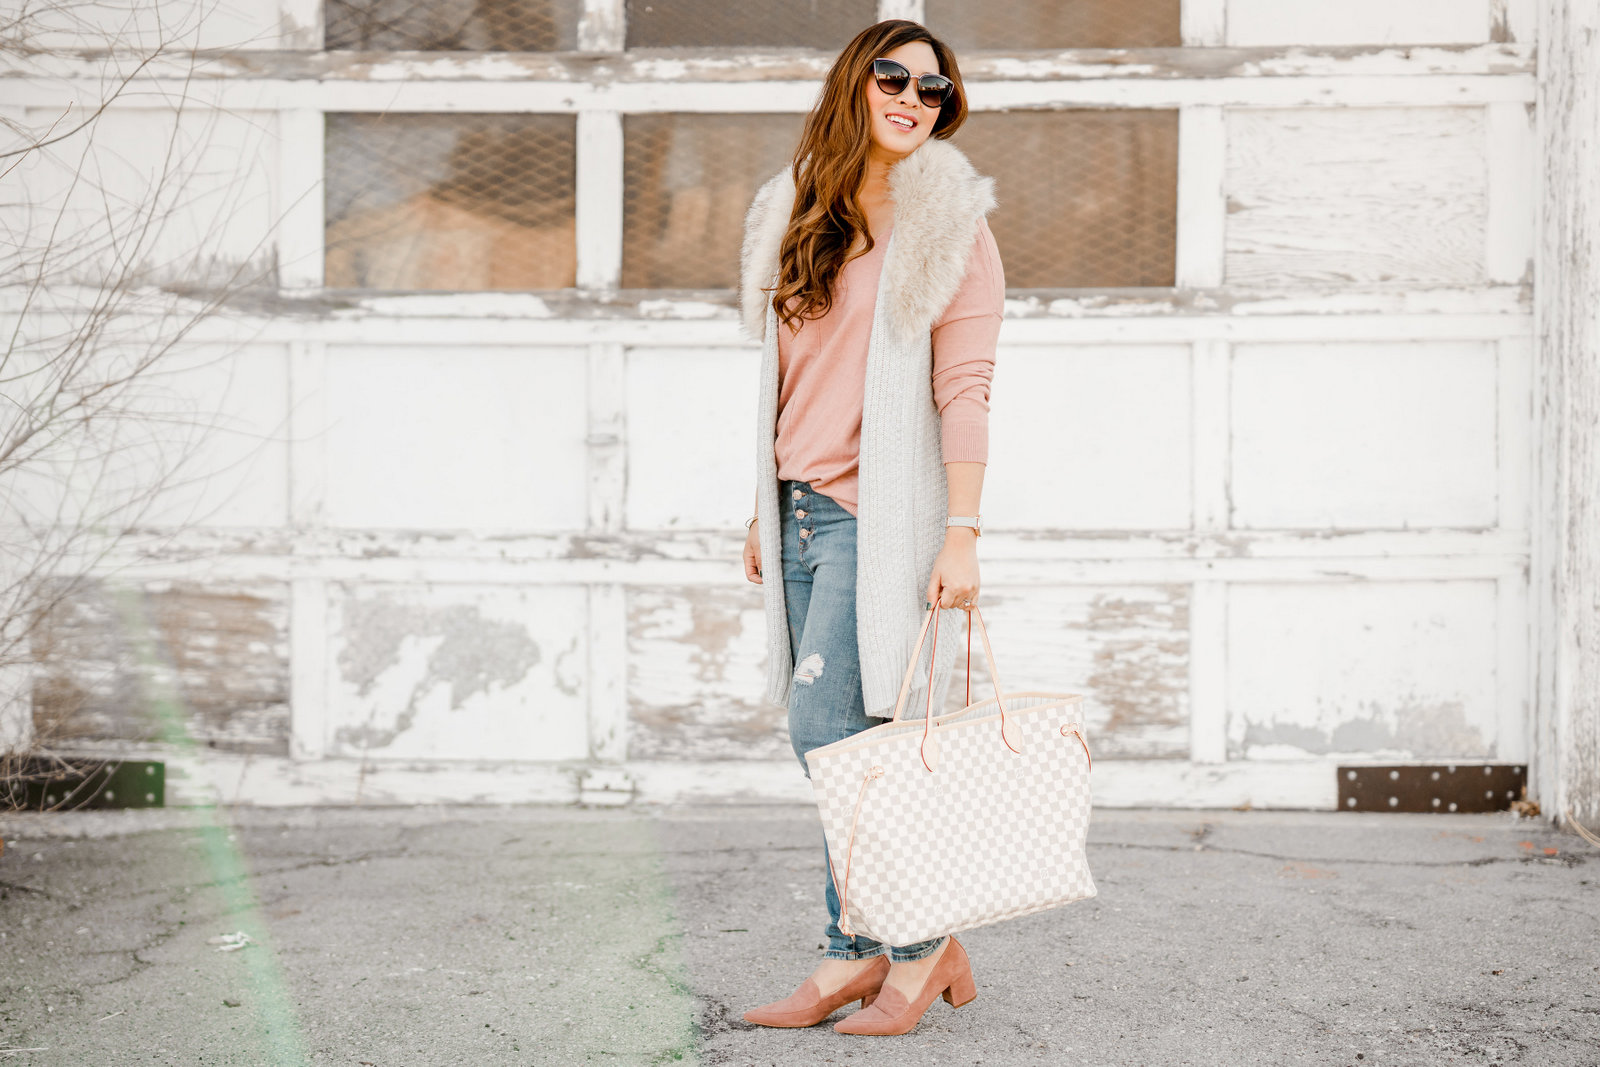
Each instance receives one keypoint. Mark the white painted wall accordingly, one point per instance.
(1273, 520)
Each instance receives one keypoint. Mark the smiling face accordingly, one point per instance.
(900, 122)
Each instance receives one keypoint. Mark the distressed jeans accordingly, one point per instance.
(819, 587)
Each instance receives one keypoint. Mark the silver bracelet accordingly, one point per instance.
(750, 520)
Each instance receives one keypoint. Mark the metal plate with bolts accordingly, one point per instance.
(76, 783)
(1433, 787)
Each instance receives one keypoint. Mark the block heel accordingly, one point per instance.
(961, 991)
(891, 1013)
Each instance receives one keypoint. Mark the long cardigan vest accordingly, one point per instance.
(939, 200)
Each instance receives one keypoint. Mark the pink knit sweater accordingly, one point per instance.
(822, 370)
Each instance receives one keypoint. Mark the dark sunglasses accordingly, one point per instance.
(932, 89)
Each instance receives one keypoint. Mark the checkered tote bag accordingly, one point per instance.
(970, 818)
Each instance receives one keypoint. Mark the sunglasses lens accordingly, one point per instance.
(934, 93)
(892, 77)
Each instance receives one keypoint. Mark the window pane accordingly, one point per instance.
(450, 201)
(1087, 197)
(825, 24)
(1018, 24)
(687, 182)
(453, 25)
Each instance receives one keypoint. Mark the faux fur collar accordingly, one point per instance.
(938, 201)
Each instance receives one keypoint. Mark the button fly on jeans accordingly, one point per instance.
(798, 494)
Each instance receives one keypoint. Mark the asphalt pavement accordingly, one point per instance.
(541, 935)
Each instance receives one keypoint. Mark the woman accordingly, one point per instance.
(871, 277)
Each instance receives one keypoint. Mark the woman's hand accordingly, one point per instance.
(954, 582)
(752, 553)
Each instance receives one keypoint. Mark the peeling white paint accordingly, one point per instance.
(1329, 196)
(1386, 669)
(696, 654)
(456, 672)
(1359, 617)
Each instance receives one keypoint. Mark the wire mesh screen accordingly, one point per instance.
(453, 25)
(1086, 197)
(450, 201)
(1019, 24)
(687, 182)
(825, 24)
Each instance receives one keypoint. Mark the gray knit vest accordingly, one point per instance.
(939, 200)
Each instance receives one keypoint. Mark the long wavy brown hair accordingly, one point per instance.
(830, 164)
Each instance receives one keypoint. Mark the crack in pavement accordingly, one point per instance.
(1565, 860)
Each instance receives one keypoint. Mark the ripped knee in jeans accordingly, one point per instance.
(810, 669)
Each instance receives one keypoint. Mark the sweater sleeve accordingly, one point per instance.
(964, 339)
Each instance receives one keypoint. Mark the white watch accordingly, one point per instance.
(965, 520)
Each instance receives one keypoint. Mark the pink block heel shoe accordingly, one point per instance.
(807, 1006)
(892, 1014)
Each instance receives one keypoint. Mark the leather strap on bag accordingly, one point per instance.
(844, 893)
(974, 616)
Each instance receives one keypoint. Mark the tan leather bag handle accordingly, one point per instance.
(974, 617)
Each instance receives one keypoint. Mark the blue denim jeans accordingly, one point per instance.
(819, 587)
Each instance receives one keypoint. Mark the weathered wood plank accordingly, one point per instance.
(603, 26)
(1204, 23)
(196, 663)
(543, 71)
(691, 424)
(606, 469)
(711, 558)
(1208, 672)
(1365, 436)
(179, 27)
(1513, 20)
(901, 9)
(607, 671)
(1333, 196)
(1212, 420)
(214, 777)
(1124, 85)
(490, 438)
(309, 668)
(307, 423)
(696, 657)
(1514, 366)
(1566, 548)
(1402, 670)
(1511, 153)
(678, 319)
(1514, 689)
(197, 184)
(458, 672)
(1364, 22)
(299, 25)
(1125, 648)
(1090, 438)
(298, 202)
(599, 199)
(1202, 203)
